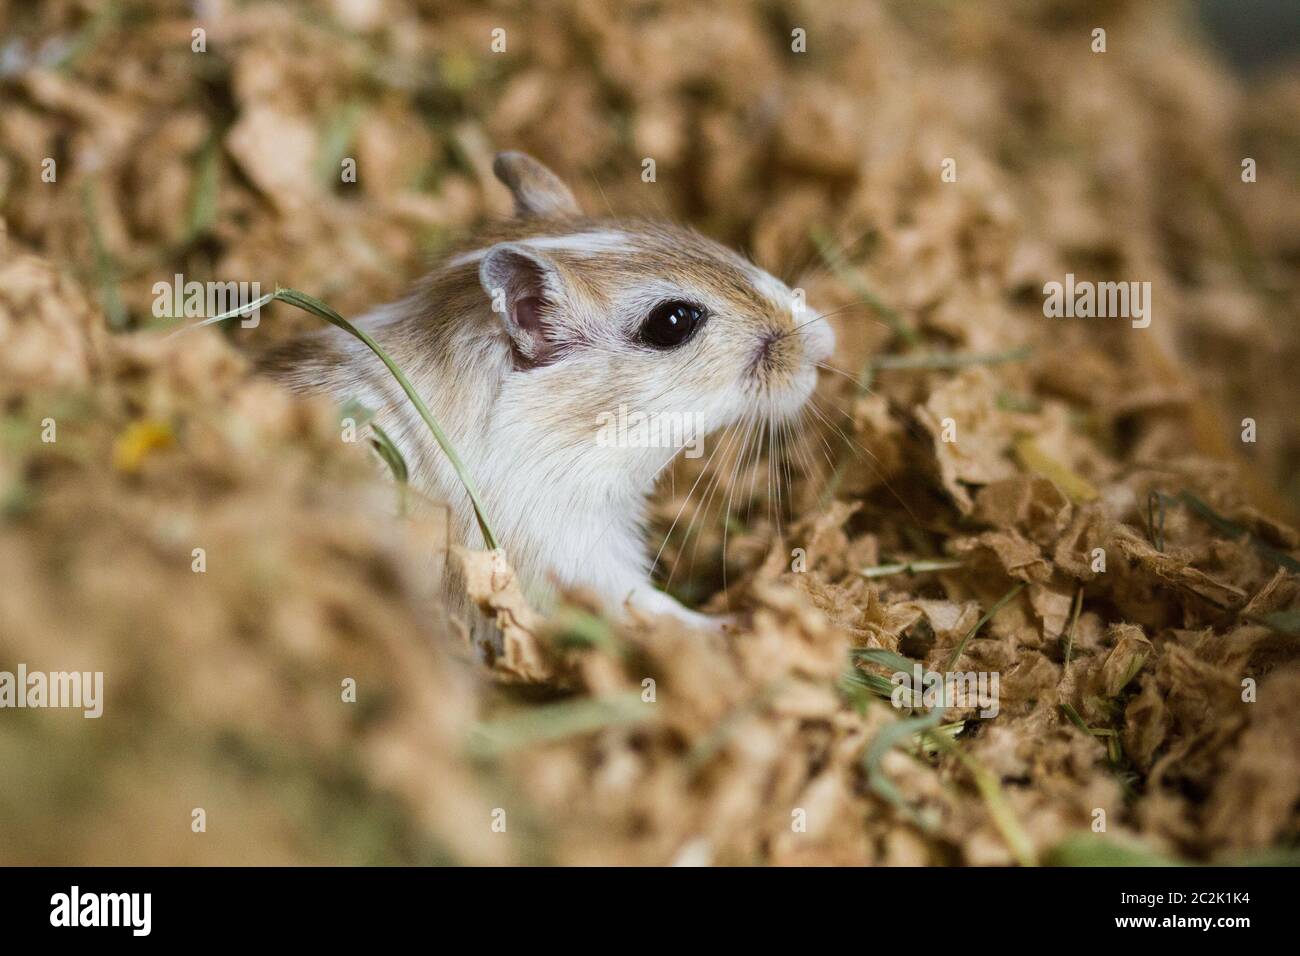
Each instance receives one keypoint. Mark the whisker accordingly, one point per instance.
(872, 460)
(861, 303)
(783, 446)
(753, 467)
(710, 490)
(726, 514)
(827, 451)
(668, 534)
(770, 464)
(803, 449)
(863, 385)
(848, 440)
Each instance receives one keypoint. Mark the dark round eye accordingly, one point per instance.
(671, 324)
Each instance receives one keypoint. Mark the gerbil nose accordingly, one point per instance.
(811, 342)
(774, 350)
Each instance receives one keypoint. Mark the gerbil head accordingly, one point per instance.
(647, 317)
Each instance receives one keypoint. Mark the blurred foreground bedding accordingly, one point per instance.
(1160, 696)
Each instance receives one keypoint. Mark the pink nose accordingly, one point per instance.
(774, 348)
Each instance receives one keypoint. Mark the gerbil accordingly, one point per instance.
(528, 338)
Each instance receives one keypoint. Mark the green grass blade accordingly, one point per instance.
(1092, 850)
(889, 738)
(988, 616)
(937, 360)
(908, 567)
(854, 280)
(551, 722)
(854, 681)
(319, 309)
(105, 267)
(995, 801)
(390, 453)
(1074, 623)
(885, 658)
(234, 313)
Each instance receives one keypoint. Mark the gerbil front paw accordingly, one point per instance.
(717, 623)
(723, 623)
(650, 601)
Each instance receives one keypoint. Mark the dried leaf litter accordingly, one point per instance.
(1121, 690)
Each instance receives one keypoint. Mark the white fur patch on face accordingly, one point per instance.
(772, 287)
(819, 338)
(590, 243)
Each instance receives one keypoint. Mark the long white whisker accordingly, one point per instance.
(863, 386)
(710, 489)
(731, 492)
(668, 534)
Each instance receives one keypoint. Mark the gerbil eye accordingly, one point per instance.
(671, 324)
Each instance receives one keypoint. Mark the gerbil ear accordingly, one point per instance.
(525, 289)
(538, 191)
